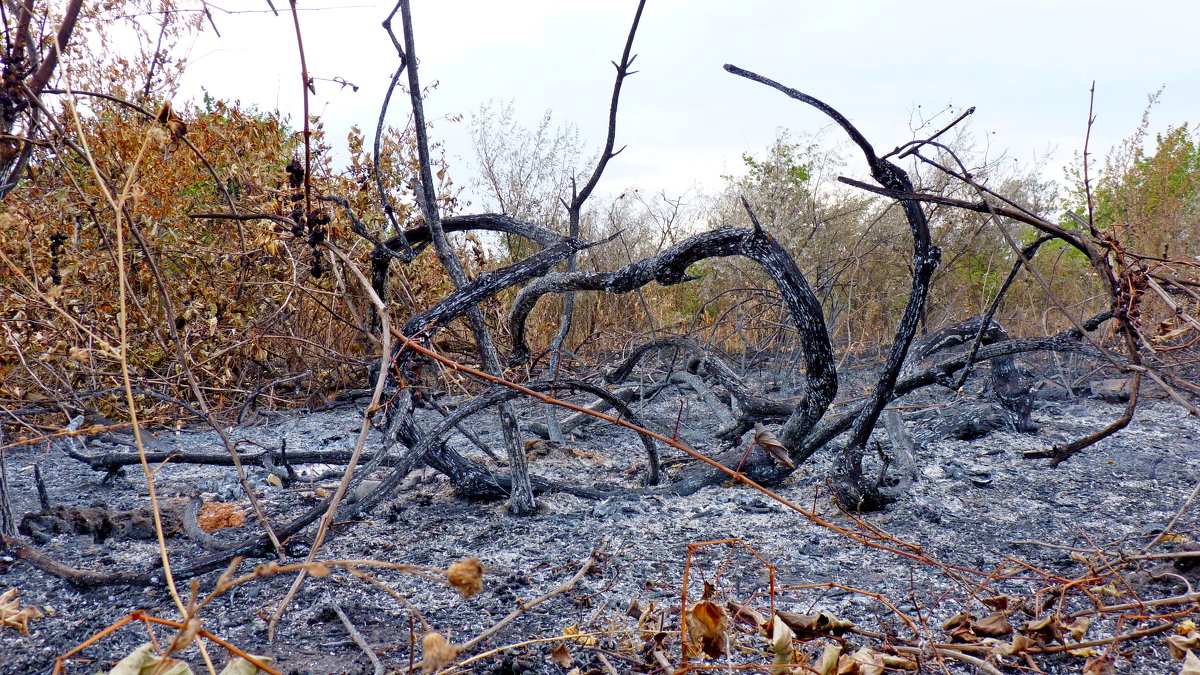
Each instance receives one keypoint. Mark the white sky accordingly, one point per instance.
(1026, 65)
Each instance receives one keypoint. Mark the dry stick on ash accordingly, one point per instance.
(521, 498)
(385, 348)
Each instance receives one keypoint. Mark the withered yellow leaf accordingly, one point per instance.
(707, 623)
(828, 663)
(781, 647)
(578, 636)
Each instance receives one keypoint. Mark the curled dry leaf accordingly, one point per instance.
(561, 655)
(1185, 627)
(577, 635)
(862, 662)
(239, 666)
(707, 623)
(1180, 645)
(781, 647)
(747, 614)
(437, 652)
(808, 626)
(993, 625)
(896, 662)
(828, 663)
(143, 661)
(1191, 665)
(12, 615)
(1079, 627)
(466, 576)
(961, 619)
(1047, 629)
(999, 603)
(1101, 665)
(1020, 643)
(635, 609)
(768, 441)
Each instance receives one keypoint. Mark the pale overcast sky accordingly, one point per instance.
(1026, 65)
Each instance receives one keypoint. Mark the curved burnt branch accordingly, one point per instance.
(670, 267)
(419, 237)
(468, 295)
(855, 489)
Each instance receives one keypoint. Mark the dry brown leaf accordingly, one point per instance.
(1000, 602)
(561, 655)
(1078, 628)
(635, 609)
(961, 619)
(1179, 645)
(746, 613)
(993, 625)
(781, 647)
(12, 615)
(768, 441)
(1191, 665)
(862, 662)
(707, 623)
(896, 662)
(437, 652)
(1019, 644)
(808, 626)
(1083, 651)
(1101, 665)
(466, 576)
(219, 515)
(1046, 629)
(828, 663)
(1185, 627)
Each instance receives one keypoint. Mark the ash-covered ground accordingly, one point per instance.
(977, 506)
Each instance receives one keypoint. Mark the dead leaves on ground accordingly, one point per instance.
(144, 661)
(12, 615)
(707, 624)
(1181, 644)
